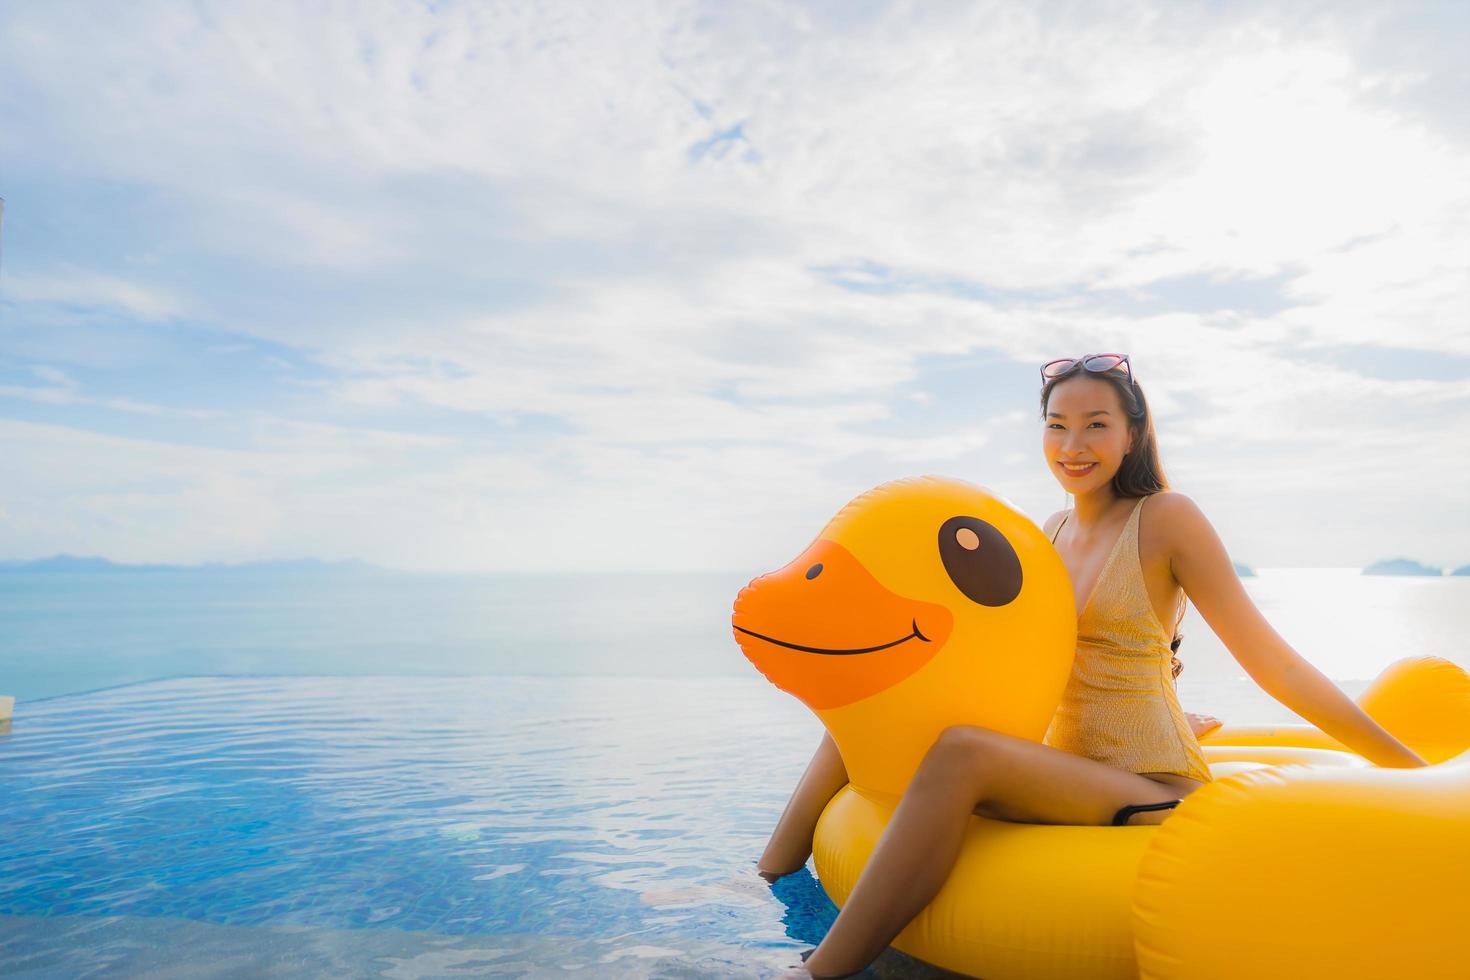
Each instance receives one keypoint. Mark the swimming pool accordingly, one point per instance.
(404, 827)
(415, 826)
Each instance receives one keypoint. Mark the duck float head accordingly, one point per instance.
(924, 603)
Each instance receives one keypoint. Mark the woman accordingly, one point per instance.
(1134, 550)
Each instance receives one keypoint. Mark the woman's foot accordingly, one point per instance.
(1202, 723)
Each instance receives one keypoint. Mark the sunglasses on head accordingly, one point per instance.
(1096, 363)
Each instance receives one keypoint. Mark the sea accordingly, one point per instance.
(365, 773)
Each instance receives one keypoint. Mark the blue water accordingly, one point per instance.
(568, 775)
(73, 632)
(581, 821)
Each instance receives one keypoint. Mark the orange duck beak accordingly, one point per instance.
(825, 630)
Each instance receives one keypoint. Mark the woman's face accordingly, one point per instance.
(1085, 425)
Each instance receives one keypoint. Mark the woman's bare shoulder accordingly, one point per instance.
(1049, 526)
(1178, 520)
(1172, 504)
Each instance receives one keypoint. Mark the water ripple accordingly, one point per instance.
(555, 814)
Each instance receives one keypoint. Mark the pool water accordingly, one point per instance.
(325, 819)
(405, 827)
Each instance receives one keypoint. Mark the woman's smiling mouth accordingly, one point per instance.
(1073, 469)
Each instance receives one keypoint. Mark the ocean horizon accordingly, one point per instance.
(69, 632)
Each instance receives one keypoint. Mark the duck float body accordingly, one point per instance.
(930, 602)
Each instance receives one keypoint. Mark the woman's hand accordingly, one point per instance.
(1202, 723)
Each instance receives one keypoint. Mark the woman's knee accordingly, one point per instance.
(959, 747)
(965, 736)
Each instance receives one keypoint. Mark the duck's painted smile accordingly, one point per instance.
(835, 653)
(826, 603)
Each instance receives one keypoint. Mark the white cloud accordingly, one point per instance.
(83, 293)
(62, 389)
(610, 225)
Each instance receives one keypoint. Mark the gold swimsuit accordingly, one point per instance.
(1119, 706)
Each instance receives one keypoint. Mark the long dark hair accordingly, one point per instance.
(1140, 473)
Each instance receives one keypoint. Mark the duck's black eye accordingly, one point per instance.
(814, 571)
(980, 561)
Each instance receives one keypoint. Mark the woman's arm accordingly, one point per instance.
(1202, 567)
(791, 841)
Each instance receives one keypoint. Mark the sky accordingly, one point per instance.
(660, 286)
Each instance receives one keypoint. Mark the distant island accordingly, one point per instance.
(1401, 566)
(72, 563)
(1462, 570)
(1244, 571)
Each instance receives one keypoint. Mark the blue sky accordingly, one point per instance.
(661, 286)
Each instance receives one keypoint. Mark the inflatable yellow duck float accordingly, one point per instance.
(930, 602)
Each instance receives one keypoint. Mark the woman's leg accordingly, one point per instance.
(969, 770)
(791, 842)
